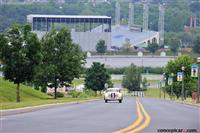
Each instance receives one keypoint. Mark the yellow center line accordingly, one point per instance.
(136, 123)
(145, 124)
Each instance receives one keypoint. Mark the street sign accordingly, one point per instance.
(194, 71)
(198, 59)
(179, 76)
(170, 80)
(106, 85)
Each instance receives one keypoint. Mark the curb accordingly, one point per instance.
(179, 102)
(9, 112)
(188, 104)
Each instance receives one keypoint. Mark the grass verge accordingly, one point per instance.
(14, 105)
(155, 93)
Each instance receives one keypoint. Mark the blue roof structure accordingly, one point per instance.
(122, 33)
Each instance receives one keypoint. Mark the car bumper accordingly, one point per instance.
(113, 99)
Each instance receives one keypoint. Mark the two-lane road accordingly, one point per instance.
(103, 117)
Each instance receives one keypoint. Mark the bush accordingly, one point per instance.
(74, 93)
(153, 70)
(83, 95)
(59, 94)
(116, 70)
(90, 92)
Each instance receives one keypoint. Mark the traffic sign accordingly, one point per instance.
(179, 76)
(170, 80)
(194, 71)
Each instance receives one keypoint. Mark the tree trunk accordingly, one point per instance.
(18, 93)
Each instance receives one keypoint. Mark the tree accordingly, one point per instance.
(20, 54)
(101, 47)
(174, 66)
(153, 47)
(174, 44)
(144, 84)
(96, 77)
(127, 46)
(132, 78)
(196, 45)
(62, 60)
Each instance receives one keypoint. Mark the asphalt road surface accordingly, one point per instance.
(146, 115)
(124, 61)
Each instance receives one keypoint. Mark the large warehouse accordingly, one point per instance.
(88, 30)
(81, 28)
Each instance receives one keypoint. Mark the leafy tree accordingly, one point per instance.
(196, 45)
(20, 54)
(174, 45)
(101, 47)
(175, 66)
(153, 47)
(62, 60)
(144, 84)
(132, 78)
(127, 46)
(96, 77)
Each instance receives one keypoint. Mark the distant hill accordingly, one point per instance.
(8, 92)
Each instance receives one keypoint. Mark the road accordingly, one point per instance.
(124, 61)
(100, 117)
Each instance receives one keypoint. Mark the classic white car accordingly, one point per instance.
(113, 94)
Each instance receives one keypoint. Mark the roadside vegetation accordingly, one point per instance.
(32, 97)
(156, 93)
(52, 62)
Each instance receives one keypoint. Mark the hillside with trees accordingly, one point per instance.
(177, 13)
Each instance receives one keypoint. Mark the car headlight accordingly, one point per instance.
(106, 95)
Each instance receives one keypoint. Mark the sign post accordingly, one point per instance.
(198, 88)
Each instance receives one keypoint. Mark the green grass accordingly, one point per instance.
(29, 96)
(117, 81)
(153, 81)
(8, 92)
(78, 82)
(13, 105)
(155, 93)
(81, 81)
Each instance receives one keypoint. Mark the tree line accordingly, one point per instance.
(176, 15)
(171, 70)
(54, 61)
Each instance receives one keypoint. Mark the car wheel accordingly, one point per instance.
(106, 101)
(120, 101)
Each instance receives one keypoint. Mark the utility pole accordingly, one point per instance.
(164, 80)
(161, 23)
(171, 85)
(182, 90)
(145, 15)
(198, 88)
(160, 87)
(131, 14)
(117, 14)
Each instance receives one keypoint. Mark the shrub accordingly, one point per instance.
(59, 94)
(74, 93)
(90, 92)
(153, 70)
